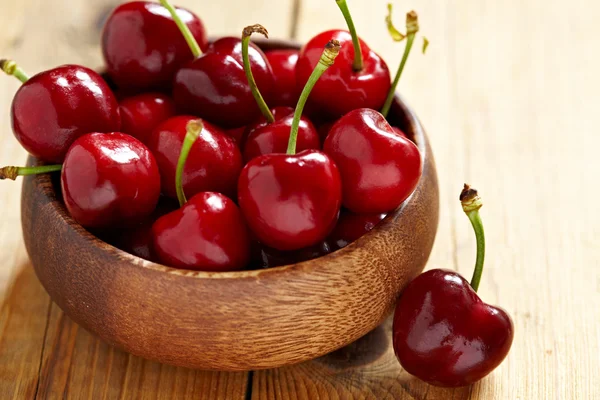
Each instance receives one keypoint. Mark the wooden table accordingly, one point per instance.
(509, 95)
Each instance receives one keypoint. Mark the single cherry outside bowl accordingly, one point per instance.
(232, 321)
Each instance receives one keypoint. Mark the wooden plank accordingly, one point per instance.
(77, 365)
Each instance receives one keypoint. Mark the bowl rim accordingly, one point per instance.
(412, 123)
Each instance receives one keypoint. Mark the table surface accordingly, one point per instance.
(508, 92)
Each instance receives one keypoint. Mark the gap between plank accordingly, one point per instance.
(39, 377)
(295, 17)
(249, 385)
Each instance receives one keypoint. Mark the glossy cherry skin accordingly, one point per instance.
(214, 162)
(264, 138)
(350, 89)
(399, 131)
(379, 168)
(142, 46)
(290, 201)
(208, 233)
(445, 335)
(351, 226)
(237, 134)
(214, 86)
(324, 129)
(57, 106)
(109, 180)
(283, 62)
(142, 113)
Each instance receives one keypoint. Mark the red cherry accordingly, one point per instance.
(109, 180)
(55, 107)
(366, 88)
(214, 163)
(290, 201)
(208, 233)
(268, 138)
(283, 62)
(379, 168)
(351, 226)
(138, 239)
(142, 113)
(237, 134)
(143, 47)
(445, 335)
(399, 131)
(214, 86)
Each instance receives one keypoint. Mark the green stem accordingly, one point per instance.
(193, 129)
(11, 68)
(358, 56)
(327, 59)
(412, 27)
(185, 30)
(246, 33)
(471, 203)
(13, 172)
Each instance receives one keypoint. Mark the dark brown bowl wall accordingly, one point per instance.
(236, 320)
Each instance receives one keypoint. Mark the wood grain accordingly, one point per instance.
(509, 94)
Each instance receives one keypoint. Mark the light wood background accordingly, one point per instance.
(509, 93)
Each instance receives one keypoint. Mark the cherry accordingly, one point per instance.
(237, 134)
(351, 226)
(109, 180)
(324, 129)
(292, 201)
(399, 131)
(142, 45)
(283, 62)
(360, 78)
(55, 107)
(443, 333)
(215, 162)
(379, 168)
(138, 239)
(271, 132)
(142, 113)
(214, 86)
(207, 233)
(273, 138)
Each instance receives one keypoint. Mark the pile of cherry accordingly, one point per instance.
(266, 187)
(176, 117)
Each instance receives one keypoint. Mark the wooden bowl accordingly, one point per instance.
(235, 320)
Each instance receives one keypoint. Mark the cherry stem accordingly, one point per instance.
(185, 30)
(11, 68)
(246, 33)
(193, 129)
(13, 172)
(332, 49)
(471, 203)
(358, 56)
(412, 27)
